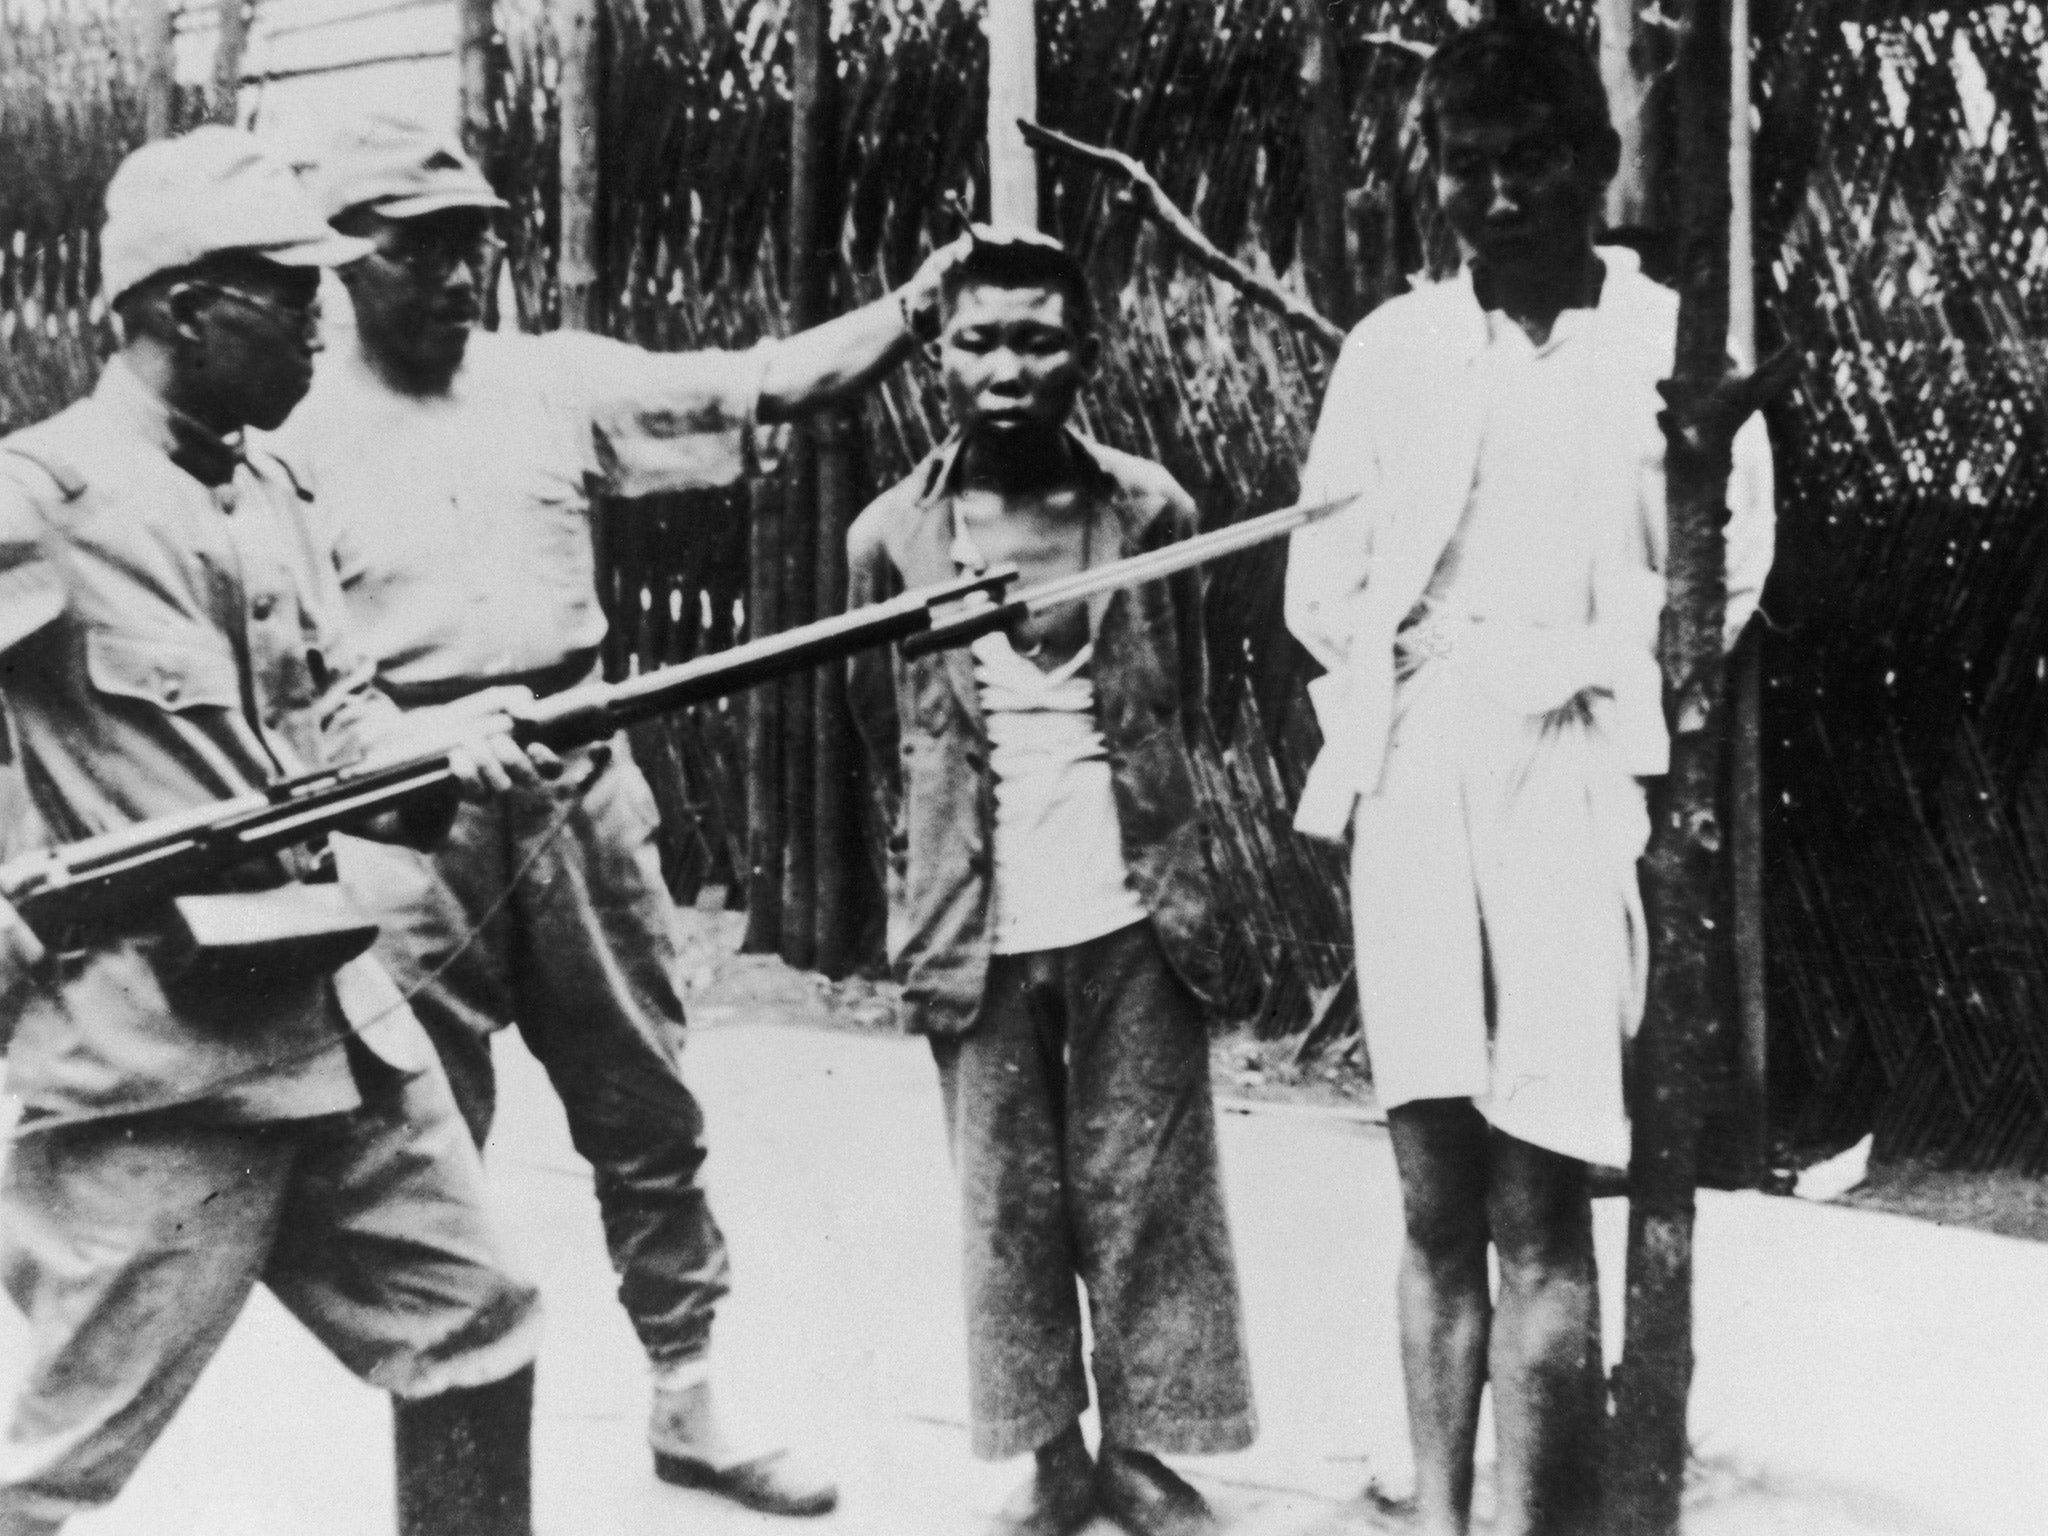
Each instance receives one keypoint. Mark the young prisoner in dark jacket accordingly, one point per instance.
(1051, 912)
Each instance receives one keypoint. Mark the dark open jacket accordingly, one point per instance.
(928, 747)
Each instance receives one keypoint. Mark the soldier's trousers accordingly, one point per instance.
(546, 908)
(1085, 1141)
(130, 1244)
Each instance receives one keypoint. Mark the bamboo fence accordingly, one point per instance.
(1900, 198)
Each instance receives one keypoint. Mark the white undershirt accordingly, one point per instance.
(1060, 877)
(1523, 549)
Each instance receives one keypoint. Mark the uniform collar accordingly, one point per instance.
(188, 443)
(940, 476)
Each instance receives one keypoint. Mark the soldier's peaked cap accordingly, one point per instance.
(215, 189)
(402, 168)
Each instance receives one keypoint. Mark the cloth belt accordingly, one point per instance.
(572, 671)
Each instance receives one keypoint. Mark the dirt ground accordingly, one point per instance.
(722, 983)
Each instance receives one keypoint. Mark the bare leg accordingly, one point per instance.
(1441, 1149)
(1547, 1394)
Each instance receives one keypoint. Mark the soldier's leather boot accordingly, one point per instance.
(465, 1460)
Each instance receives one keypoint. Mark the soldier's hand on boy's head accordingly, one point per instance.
(922, 297)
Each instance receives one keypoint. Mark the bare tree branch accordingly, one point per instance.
(1146, 195)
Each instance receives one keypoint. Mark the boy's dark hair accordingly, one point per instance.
(1029, 260)
(1503, 68)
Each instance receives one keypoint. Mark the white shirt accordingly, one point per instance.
(1059, 865)
(1411, 411)
(1523, 550)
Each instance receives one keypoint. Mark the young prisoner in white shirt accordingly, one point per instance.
(1488, 613)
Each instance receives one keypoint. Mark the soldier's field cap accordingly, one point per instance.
(402, 168)
(211, 190)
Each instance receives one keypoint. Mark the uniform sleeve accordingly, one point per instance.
(31, 588)
(1327, 562)
(662, 421)
(1752, 524)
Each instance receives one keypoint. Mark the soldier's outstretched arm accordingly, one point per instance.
(829, 362)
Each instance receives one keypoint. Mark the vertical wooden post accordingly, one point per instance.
(1623, 71)
(1326, 162)
(475, 26)
(1746, 810)
(231, 43)
(838, 808)
(1676, 1051)
(799, 554)
(810, 289)
(159, 83)
(1012, 94)
(764, 726)
(579, 259)
(815, 211)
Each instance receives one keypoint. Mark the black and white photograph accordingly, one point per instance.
(1023, 768)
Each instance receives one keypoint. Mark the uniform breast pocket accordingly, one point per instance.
(171, 671)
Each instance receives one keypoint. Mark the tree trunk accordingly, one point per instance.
(1012, 94)
(1677, 1050)
(1326, 166)
(1746, 805)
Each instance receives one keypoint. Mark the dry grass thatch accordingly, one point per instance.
(1902, 189)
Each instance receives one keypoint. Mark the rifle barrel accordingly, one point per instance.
(1133, 570)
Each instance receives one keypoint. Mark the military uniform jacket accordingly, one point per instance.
(163, 645)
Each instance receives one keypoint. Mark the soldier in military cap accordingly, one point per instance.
(457, 469)
(172, 636)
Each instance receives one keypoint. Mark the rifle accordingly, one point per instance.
(101, 880)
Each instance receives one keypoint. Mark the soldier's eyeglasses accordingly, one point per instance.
(429, 256)
(301, 316)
